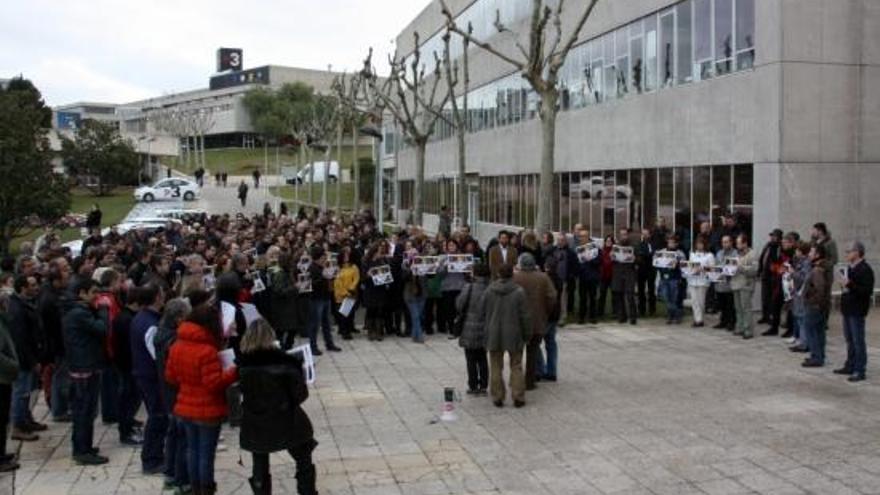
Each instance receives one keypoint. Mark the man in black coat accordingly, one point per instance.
(771, 293)
(855, 302)
(51, 304)
(646, 275)
(27, 334)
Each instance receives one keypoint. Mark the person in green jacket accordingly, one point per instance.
(8, 374)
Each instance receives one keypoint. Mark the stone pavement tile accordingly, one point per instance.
(763, 482)
(724, 486)
(852, 476)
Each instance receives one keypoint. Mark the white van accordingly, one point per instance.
(305, 173)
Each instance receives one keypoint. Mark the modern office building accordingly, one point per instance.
(222, 101)
(683, 109)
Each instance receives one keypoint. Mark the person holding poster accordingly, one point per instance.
(623, 280)
(345, 286)
(268, 424)
(858, 285)
(743, 286)
(670, 279)
(723, 293)
(319, 303)
(697, 281)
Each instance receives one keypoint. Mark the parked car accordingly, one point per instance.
(305, 174)
(179, 213)
(168, 189)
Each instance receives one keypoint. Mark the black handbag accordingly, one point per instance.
(460, 318)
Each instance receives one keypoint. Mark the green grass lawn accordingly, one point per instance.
(240, 161)
(289, 193)
(114, 206)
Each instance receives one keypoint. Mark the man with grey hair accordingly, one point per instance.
(541, 302)
(855, 302)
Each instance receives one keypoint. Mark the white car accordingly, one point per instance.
(179, 213)
(168, 189)
(147, 223)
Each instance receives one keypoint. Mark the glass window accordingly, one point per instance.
(745, 34)
(610, 70)
(703, 63)
(721, 192)
(684, 42)
(723, 36)
(564, 201)
(574, 197)
(637, 51)
(622, 49)
(596, 185)
(608, 212)
(683, 205)
(650, 69)
(622, 197)
(531, 199)
(665, 207)
(635, 199)
(667, 49)
(743, 195)
(649, 196)
(702, 186)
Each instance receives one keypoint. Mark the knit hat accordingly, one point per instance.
(526, 262)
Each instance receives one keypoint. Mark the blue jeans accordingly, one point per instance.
(856, 349)
(416, 307)
(548, 367)
(815, 327)
(109, 395)
(175, 452)
(669, 289)
(84, 404)
(21, 398)
(319, 315)
(60, 390)
(201, 447)
(801, 330)
(153, 450)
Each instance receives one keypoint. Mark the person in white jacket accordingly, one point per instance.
(697, 280)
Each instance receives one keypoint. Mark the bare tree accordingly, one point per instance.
(539, 63)
(413, 99)
(201, 121)
(345, 88)
(459, 114)
(320, 128)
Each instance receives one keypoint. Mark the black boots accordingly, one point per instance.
(305, 480)
(261, 487)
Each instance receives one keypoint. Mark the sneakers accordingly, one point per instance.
(132, 440)
(23, 435)
(8, 466)
(90, 459)
(518, 404)
(151, 470)
(333, 348)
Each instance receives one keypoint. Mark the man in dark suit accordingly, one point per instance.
(855, 302)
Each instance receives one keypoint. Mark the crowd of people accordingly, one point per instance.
(165, 318)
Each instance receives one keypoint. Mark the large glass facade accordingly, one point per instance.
(693, 40)
(603, 202)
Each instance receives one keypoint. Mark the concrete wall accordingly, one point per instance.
(807, 116)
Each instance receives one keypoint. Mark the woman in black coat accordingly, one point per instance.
(273, 388)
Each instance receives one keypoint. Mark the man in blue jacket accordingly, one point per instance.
(85, 330)
(855, 302)
(146, 375)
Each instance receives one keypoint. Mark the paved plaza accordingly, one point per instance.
(651, 409)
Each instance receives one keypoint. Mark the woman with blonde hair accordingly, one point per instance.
(273, 388)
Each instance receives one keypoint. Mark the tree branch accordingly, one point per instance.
(452, 26)
(559, 58)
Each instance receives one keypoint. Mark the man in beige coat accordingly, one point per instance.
(541, 301)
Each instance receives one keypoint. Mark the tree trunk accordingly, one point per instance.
(311, 165)
(356, 166)
(339, 131)
(278, 178)
(296, 184)
(462, 179)
(266, 157)
(326, 178)
(548, 150)
(421, 146)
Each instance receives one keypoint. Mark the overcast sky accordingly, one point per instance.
(123, 50)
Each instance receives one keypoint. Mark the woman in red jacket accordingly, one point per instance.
(606, 268)
(195, 369)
